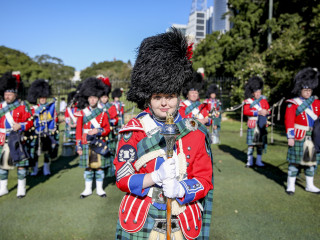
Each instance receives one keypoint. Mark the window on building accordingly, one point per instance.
(200, 27)
(200, 21)
(201, 15)
(200, 34)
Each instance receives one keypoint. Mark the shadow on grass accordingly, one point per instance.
(57, 167)
(272, 172)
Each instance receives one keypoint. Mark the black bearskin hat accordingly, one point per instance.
(213, 88)
(162, 66)
(9, 82)
(306, 78)
(39, 88)
(71, 97)
(195, 84)
(116, 93)
(255, 83)
(90, 87)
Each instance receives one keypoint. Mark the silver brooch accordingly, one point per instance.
(191, 124)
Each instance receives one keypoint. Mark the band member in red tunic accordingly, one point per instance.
(301, 118)
(14, 117)
(116, 95)
(256, 108)
(92, 124)
(70, 118)
(142, 170)
(191, 107)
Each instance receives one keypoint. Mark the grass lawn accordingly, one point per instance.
(248, 203)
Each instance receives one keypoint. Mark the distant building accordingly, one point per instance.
(76, 76)
(196, 28)
(221, 21)
(181, 27)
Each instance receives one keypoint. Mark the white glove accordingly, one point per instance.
(173, 189)
(165, 171)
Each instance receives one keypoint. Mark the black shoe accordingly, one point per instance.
(290, 193)
(21, 196)
(84, 196)
(103, 195)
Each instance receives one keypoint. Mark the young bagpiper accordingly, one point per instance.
(92, 124)
(192, 107)
(45, 123)
(214, 107)
(70, 118)
(14, 117)
(301, 114)
(143, 171)
(256, 108)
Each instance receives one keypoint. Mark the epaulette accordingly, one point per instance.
(133, 125)
(78, 114)
(248, 101)
(292, 100)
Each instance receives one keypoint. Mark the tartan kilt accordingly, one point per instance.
(250, 132)
(295, 153)
(83, 161)
(68, 135)
(24, 163)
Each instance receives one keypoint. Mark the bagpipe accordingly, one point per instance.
(97, 148)
(45, 129)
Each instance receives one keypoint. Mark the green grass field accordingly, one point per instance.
(248, 203)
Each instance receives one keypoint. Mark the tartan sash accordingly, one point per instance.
(192, 106)
(305, 104)
(106, 106)
(157, 141)
(255, 102)
(10, 107)
(94, 113)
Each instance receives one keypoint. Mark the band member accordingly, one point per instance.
(116, 95)
(256, 108)
(301, 114)
(214, 107)
(161, 69)
(45, 124)
(191, 107)
(14, 117)
(92, 123)
(70, 118)
(111, 139)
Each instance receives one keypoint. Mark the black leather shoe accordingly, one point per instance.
(103, 195)
(290, 193)
(21, 196)
(84, 196)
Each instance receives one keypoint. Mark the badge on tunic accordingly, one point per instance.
(127, 136)
(191, 124)
(127, 153)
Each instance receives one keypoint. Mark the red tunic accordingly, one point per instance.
(19, 115)
(252, 113)
(296, 126)
(200, 112)
(82, 129)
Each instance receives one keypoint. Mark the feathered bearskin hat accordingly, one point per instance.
(213, 88)
(90, 87)
(162, 66)
(10, 82)
(116, 93)
(195, 84)
(306, 78)
(254, 83)
(107, 82)
(39, 88)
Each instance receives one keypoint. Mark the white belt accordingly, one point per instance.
(301, 127)
(3, 130)
(150, 192)
(86, 130)
(253, 118)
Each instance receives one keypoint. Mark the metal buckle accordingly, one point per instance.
(160, 225)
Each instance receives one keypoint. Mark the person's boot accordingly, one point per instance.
(250, 161)
(35, 170)
(291, 183)
(259, 162)
(310, 187)
(3, 187)
(46, 169)
(88, 189)
(21, 192)
(99, 189)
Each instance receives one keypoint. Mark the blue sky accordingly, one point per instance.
(81, 32)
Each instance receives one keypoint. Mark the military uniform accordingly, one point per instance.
(300, 117)
(10, 114)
